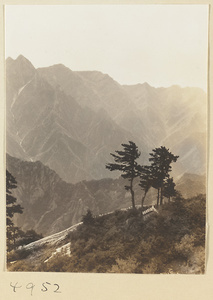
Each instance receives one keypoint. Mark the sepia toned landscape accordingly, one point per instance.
(58, 148)
(103, 177)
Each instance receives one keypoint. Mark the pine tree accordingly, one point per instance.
(11, 208)
(88, 219)
(169, 188)
(125, 161)
(161, 160)
(146, 181)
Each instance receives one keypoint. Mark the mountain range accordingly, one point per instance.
(51, 204)
(62, 125)
(71, 121)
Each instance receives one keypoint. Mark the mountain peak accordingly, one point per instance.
(146, 84)
(57, 67)
(20, 63)
(21, 57)
(19, 72)
(9, 59)
(23, 60)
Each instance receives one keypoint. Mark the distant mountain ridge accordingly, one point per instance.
(52, 205)
(191, 185)
(71, 121)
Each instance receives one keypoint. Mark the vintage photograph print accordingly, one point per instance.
(106, 138)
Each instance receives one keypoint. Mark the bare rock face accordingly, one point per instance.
(44, 123)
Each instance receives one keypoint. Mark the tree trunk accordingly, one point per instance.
(132, 193)
(161, 195)
(142, 200)
(158, 197)
(14, 239)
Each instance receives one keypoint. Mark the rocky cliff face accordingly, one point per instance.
(44, 123)
(71, 121)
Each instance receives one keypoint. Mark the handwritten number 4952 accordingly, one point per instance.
(30, 286)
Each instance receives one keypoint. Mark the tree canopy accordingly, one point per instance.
(125, 161)
(156, 175)
(161, 159)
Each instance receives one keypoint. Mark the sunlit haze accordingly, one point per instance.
(159, 44)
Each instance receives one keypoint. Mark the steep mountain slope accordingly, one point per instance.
(44, 123)
(191, 185)
(175, 117)
(90, 89)
(50, 204)
(71, 121)
(178, 116)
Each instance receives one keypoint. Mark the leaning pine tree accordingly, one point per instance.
(125, 161)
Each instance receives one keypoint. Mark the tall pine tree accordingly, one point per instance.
(125, 161)
(161, 160)
(169, 188)
(146, 181)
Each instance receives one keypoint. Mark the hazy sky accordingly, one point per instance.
(159, 44)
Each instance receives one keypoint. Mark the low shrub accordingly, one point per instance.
(18, 254)
(21, 266)
(59, 263)
(128, 265)
(185, 247)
